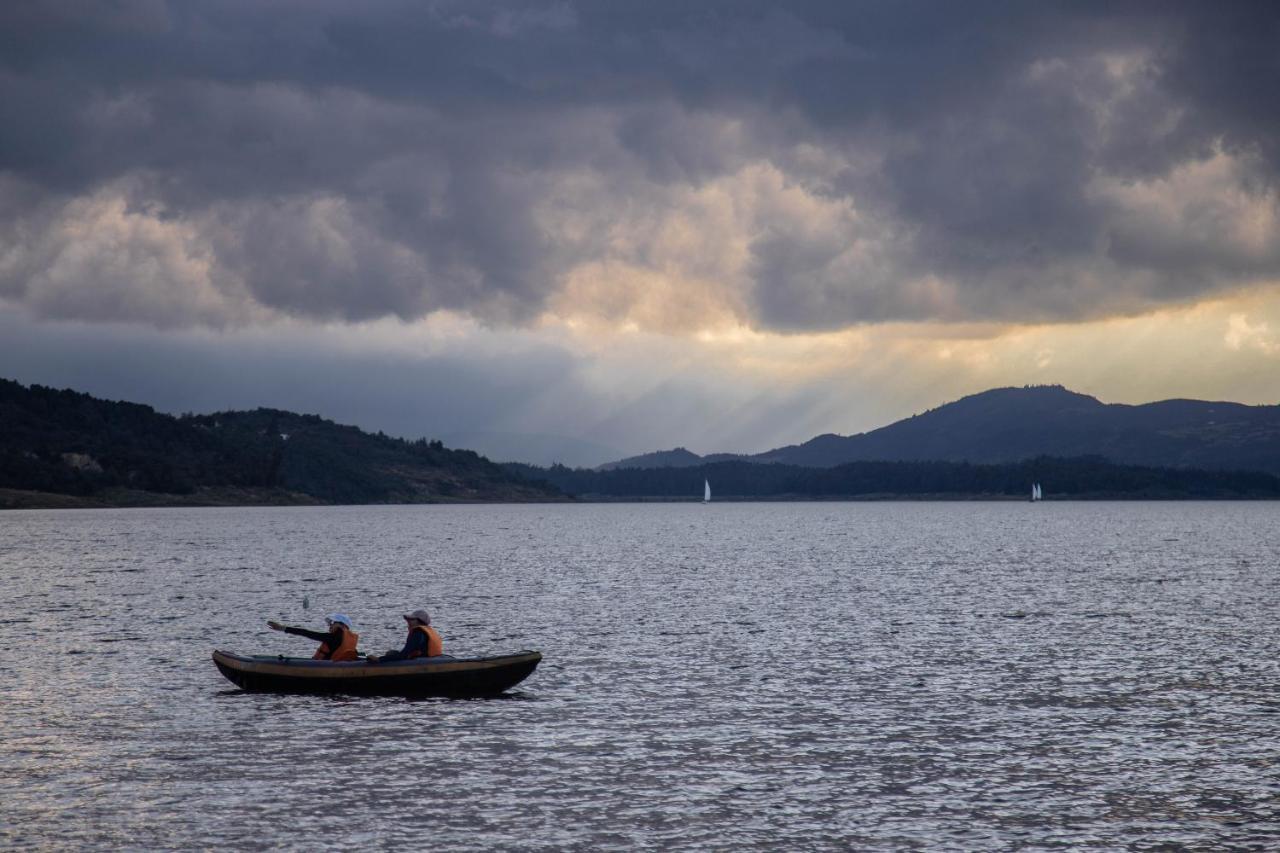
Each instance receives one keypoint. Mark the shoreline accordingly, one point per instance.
(17, 499)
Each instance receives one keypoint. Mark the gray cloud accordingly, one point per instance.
(215, 163)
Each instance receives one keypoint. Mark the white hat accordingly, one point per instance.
(339, 618)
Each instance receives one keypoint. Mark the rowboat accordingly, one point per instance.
(440, 676)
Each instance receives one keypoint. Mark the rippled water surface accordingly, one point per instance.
(769, 676)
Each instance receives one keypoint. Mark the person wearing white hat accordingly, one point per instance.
(423, 640)
(337, 644)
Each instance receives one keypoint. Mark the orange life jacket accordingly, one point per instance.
(346, 650)
(435, 646)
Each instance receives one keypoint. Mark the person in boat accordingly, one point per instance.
(338, 644)
(423, 640)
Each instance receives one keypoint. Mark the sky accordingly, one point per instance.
(573, 231)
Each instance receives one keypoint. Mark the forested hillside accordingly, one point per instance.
(69, 443)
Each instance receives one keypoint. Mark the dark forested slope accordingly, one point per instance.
(69, 443)
(1087, 477)
(1009, 424)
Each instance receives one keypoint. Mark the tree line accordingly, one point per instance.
(1089, 476)
(70, 443)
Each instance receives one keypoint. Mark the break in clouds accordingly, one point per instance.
(674, 165)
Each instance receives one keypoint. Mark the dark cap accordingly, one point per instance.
(421, 615)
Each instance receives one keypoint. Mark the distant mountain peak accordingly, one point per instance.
(1037, 393)
(677, 457)
(1013, 423)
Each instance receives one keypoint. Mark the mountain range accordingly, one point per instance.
(1007, 425)
(65, 448)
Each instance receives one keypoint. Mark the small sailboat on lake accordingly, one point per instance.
(706, 491)
(1036, 494)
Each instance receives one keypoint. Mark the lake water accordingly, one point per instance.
(734, 676)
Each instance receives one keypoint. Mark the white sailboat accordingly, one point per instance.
(706, 491)
(1036, 494)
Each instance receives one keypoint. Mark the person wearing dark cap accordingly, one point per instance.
(422, 642)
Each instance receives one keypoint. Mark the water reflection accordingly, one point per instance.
(770, 676)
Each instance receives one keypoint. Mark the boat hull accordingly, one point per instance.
(454, 677)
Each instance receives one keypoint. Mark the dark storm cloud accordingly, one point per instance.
(208, 162)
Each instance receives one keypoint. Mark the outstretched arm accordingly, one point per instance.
(318, 636)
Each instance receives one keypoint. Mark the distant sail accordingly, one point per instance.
(706, 491)
(1036, 494)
